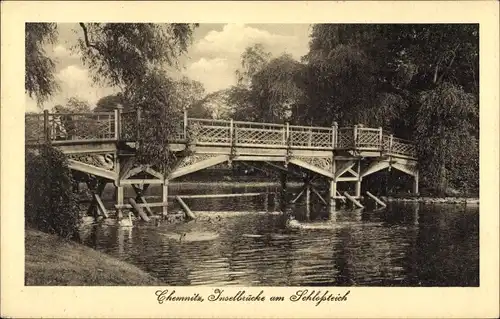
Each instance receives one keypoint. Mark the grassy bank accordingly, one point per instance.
(52, 261)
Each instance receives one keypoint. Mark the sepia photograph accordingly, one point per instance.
(249, 159)
(252, 154)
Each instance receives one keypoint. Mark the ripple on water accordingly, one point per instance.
(247, 248)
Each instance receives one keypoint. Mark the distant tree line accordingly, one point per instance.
(420, 82)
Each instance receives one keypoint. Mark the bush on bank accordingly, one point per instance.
(50, 204)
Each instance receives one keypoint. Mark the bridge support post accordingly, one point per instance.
(333, 182)
(283, 181)
(308, 202)
(165, 198)
(119, 201)
(358, 182)
(333, 192)
(415, 183)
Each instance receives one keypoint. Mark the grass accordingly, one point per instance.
(52, 261)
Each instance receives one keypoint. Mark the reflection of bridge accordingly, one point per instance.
(102, 145)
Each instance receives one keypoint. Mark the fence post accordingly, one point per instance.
(381, 138)
(355, 136)
(231, 131)
(390, 143)
(118, 122)
(310, 136)
(138, 126)
(334, 134)
(185, 123)
(287, 134)
(46, 132)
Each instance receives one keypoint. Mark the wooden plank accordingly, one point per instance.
(90, 169)
(353, 200)
(405, 169)
(376, 199)
(100, 206)
(344, 168)
(199, 166)
(127, 166)
(259, 158)
(221, 195)
(298, 195)
(319, 195)
(375, 167)
(186, 208)
(311, 168)
(159, 204)
(347, 179)
(140, 181)
(138, 210)
(156, 174)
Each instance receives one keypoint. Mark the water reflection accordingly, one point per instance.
(402, 245)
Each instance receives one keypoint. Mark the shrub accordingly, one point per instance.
(50, 204)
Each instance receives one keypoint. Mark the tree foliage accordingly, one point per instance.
(418, 81)
(252, 60)
(161, 116)
(277, 89)
(39, 81)
(50, 204)
(119, 54)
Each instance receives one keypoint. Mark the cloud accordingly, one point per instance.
(217, 54)
(61, 52)
(234, 38)
(215, 74)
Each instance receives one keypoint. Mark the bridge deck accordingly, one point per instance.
(106, 127)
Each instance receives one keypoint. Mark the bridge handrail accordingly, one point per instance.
(120, 125)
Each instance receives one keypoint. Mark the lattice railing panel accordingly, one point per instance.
(33, 129)
(257, 136)
(129, 125)
(345, 137)
(311, 137)
(209, 131)
(90, 126)
(386, 142)
(368, 138)
(403, 147)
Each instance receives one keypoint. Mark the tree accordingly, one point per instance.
(50, 204)
(418, 81)
(73, 105)
(252, 60)
(449, 147)
(120, 54)
(276, 89)
(117, 54)
(190, 94)
(160, 118)
(110, 102)
(39, 81)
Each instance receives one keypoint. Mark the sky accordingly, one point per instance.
(212, 58)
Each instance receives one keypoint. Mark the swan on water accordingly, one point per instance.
(292, 223)
(126, 222)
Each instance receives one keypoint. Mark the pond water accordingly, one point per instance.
(240, 241)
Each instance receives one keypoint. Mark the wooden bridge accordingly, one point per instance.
(100, 144)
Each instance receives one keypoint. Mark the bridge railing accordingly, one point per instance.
(114, 126)
(61, 127)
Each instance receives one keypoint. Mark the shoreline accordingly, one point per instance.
(433, 200)
(53, 261)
